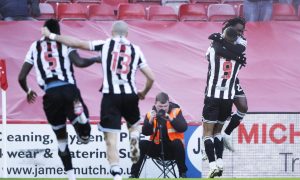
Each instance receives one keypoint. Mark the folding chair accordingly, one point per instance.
(169, 167)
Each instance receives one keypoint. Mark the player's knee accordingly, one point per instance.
(61, 133)
(243, 108)
(111, 143)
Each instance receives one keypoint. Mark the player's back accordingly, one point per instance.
(222, 74)
(51, 61)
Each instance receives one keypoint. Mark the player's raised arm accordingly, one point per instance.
(67, 40)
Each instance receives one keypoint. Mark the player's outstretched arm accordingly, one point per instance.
(150, 79)
(67, 40)
(82, 62)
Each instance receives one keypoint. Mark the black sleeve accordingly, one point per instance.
(234, 48)
(222, 51)
(179, 123)
(147, 129)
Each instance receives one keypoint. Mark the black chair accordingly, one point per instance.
(169, 167)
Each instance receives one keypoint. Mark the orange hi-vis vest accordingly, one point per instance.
(172, 133)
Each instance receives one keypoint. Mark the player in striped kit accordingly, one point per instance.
(120, 61)
(53, 64)
(220, 91)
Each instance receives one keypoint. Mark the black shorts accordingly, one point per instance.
(239, 92)
(216, 110)
(116, 106)
(58, 105)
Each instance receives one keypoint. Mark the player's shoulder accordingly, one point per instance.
(174, 105)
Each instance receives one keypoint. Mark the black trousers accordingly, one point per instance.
(173, 150)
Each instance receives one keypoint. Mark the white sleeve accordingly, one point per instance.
(96, 45)
(241, 41)
(29, 58)
(142, 61)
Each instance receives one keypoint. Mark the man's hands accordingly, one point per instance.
(242, 59)
(31, 96)
(216, 37)
(152, 116)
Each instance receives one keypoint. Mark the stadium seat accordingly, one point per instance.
(206, 3)
(147, 3)
(162, 13)
(192, 12)
(114, 3)
(87, 1)
(131, 12)
(101, 13)
(220, 12)
(58, 1)
(284, 12)
(241, 10)
(72, 11)
(47, 11)
(235, 3)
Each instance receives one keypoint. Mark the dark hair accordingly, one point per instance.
(162, 97)
(233, 22)
(53, 26)
(231, 33)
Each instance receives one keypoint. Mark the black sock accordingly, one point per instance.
(66, 159)
(209, 148)
(234, 122)
(219, 146)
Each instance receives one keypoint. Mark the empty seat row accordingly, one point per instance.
(187, 12)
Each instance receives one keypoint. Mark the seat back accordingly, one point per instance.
(101, 13)
(192, 12)
(47, 11)
(131, 12)
(284, 12)
(162, 13)
(73, 11)
(220, 12)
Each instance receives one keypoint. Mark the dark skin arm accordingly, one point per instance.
(82, 62)
(234, 48)
(31, 95)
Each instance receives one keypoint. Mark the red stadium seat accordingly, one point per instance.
(47, 11)
(206, 3)
(235, 3)
(131, 12)
(284, 12)
(241, 10)
(71, 12)
(114, 3)
(162, 13)
(58, 1)
(101, 13)
(87, 1)
(192, 12)
(220, 12)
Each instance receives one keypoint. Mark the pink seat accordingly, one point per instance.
(58, 1)
(114, 3)
(162, 13)
(47, 11)
(220, 12)
(71, 12)
(241, 10)
(87, 1)
(101, 13)
(206, 3)
(131, 12)
(235, 3)
(284, 12)
(192, 12)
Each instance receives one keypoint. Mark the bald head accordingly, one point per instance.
(119, 28)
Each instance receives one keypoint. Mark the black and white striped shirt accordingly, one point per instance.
(51, 61)
(120, 61)
(222, 74)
